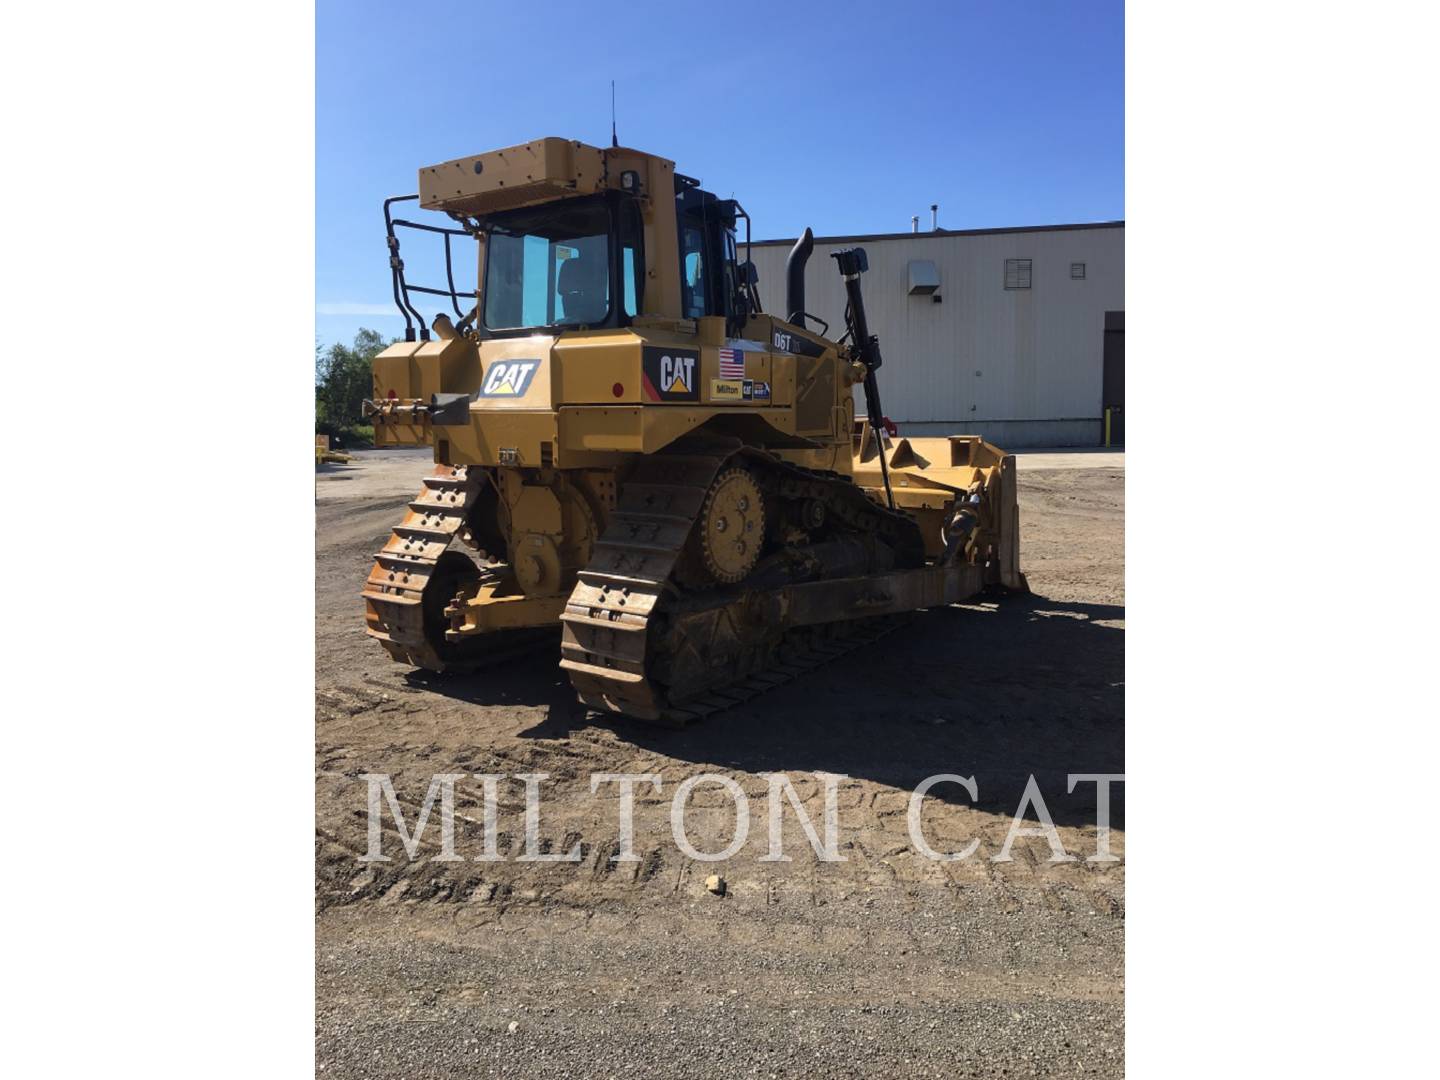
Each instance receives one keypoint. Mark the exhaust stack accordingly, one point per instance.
(934, 217)
(795, 278)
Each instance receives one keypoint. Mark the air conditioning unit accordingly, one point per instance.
(924, 277)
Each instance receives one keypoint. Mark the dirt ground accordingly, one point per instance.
(885, 964)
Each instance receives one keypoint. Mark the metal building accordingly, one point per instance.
(1016, 335)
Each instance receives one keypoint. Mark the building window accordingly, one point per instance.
(1077, 271)
(1017, 273)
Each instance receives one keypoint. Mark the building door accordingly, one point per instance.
(1112, 393)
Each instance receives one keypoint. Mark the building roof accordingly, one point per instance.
(940, 233)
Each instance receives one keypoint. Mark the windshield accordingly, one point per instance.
(548, 267)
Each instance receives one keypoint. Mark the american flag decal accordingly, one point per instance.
(732, 364)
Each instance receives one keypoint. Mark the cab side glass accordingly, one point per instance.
(628, 258)
(632, 258)
(692, 273)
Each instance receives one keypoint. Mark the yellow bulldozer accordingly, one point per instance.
(628, 446)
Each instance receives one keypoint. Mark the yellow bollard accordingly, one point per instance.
(1107, 429)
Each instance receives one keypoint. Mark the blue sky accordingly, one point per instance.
(845, 116)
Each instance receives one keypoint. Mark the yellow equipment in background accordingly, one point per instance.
(631, 448)
(325, 456)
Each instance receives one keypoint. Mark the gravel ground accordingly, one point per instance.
(884, 964)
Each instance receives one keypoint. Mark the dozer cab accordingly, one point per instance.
(628, 446)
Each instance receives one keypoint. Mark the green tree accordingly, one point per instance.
(342, 382)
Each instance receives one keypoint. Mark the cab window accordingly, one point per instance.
(548, 267)
(694, 283)
(632, 258)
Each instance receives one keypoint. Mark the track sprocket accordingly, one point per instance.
(731, 529)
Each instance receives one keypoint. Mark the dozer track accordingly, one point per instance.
(636, 641)
(411, 582)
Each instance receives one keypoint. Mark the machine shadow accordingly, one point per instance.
(331, 470)
(528, 675)
(999, 691)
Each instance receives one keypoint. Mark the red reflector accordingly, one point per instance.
(391, 394)
(618, 390)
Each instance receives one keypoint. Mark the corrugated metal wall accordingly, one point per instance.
(1022, 366)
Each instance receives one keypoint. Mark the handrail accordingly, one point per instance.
(401, 289)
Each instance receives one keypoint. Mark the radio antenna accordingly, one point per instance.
(614, 139)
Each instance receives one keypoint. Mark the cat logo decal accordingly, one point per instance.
(670, 374)
(509, 378)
